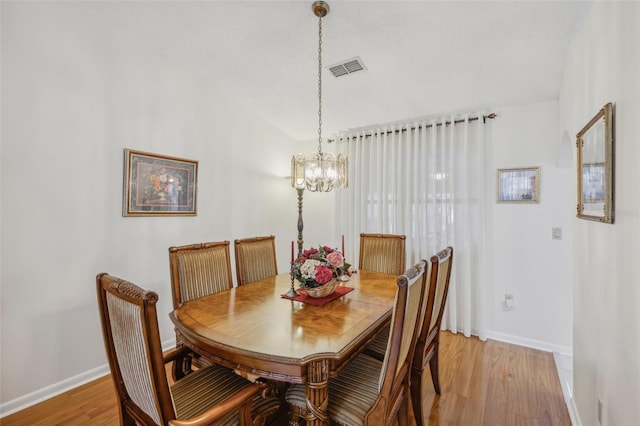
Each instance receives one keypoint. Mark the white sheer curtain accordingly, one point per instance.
(424, 180)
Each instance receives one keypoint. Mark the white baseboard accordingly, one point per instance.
(65, 385)
(573, 413)
(530, 343)
(45, 393)
(564, 365)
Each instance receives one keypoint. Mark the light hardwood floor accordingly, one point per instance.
(482, 383)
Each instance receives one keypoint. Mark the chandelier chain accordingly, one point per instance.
(320, 84)
(318, 171)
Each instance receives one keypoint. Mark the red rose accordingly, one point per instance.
(323, 274)
(307, 254)
(327, 249)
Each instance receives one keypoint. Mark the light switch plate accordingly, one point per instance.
(556, 233)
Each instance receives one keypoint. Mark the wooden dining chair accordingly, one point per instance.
(198, 270)
(428, 340)
(369, 391)
(382, 253)
(211, 395)
(427, 345)
(255, 259)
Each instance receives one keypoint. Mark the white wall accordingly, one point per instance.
(525, 260)
(74, 95)
(604, 65)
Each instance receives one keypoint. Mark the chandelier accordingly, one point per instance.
(319, 171)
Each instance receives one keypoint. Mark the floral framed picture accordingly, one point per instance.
(158, 185)
(521, 185)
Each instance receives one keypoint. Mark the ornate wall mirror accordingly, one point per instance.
(595, 167)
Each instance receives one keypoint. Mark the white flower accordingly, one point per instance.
(308, 268)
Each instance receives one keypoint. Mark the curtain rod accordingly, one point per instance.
(446, 123)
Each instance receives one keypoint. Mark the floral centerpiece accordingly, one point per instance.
(319, 266)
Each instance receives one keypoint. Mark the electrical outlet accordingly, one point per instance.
(556, 233)
(508, 301)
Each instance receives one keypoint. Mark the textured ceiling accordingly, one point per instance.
(422, 57)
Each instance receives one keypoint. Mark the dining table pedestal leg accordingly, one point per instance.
(317, 393)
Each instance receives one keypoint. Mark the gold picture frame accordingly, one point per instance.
(158, 185)
(519, 185)
(595, 171)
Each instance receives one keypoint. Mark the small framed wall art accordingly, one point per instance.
(521, 185)
(158, 185)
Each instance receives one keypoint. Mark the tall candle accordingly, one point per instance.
(343, 244)
(292, 252)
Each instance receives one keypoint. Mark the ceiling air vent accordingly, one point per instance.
(347, 67)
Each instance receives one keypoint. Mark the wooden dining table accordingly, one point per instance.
(252, 328)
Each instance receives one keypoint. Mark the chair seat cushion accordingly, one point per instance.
(207, 387)
(351, 394)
